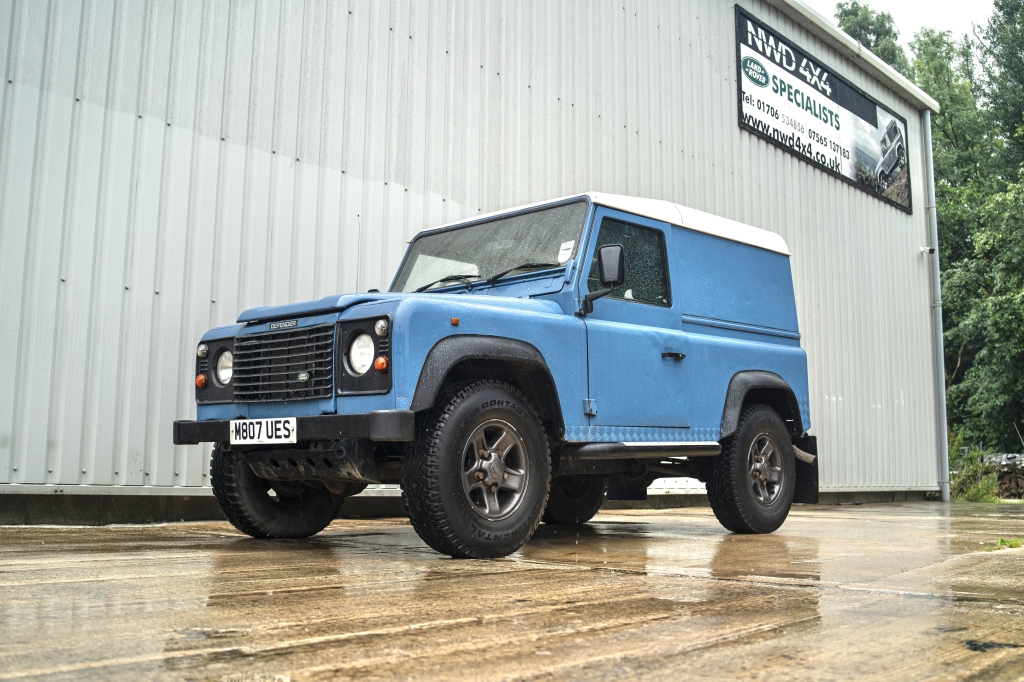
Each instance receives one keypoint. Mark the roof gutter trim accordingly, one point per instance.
(821, 28)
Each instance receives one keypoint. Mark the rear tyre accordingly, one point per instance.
(574, 500)
(476, 483)
(752, 484)
(268, 509)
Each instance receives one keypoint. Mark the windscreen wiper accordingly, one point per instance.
(449, 278)
(522, 266)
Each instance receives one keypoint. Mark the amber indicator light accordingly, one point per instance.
(455, 322)
(200, 381)
(381, 364)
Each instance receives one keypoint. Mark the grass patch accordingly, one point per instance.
(1006, 543)
(970, 479)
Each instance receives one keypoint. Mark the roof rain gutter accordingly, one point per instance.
(940, 355)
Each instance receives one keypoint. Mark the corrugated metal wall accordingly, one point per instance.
(164, 165)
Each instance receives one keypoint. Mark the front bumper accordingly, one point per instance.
(385, 425)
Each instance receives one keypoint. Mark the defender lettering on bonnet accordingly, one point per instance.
(681, 324)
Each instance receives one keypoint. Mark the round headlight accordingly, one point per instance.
(360, 354)
(225, 363)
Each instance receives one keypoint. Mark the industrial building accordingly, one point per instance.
(165, 165)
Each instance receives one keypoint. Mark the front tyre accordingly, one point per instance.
(477, 481)
(574, 500)
(268, 509)
(753, 480)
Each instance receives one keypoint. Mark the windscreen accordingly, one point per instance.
(549, 236)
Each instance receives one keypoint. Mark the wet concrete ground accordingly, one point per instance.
(875, 592)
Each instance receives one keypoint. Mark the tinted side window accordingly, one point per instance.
(646, 262)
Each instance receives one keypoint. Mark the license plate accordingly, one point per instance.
(263, 431)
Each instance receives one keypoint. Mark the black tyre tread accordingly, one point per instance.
(723, 486)
(717, 498)
(226, 489)
(423, 501)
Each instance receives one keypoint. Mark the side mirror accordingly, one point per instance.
(611, 270)
(611, 264)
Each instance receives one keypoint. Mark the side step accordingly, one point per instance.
(599, 451)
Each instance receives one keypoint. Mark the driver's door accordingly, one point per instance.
(637, 375)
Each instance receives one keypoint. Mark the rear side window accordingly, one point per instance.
(646, 262)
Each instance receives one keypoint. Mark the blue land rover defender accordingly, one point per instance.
(524, 366)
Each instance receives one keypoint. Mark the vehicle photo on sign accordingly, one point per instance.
(794, 101)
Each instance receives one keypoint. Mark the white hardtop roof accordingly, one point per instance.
(666, 212)
(692, 219)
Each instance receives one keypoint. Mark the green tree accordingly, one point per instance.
(964, 149)
(980, 207)
(986, 294)
(875, 31)
(1002, 46)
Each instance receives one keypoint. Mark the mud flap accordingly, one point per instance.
(806, 474)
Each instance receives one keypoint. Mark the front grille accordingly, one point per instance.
(267, 366)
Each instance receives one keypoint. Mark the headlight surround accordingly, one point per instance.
(361, 354)
(225, 367)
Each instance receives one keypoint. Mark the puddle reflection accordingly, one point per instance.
(243, 568)
(766, 556)
(623, 546)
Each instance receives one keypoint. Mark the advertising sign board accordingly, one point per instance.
(792, 100)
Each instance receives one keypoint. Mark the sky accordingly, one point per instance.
(913, 15)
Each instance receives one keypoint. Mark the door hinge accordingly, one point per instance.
(590, 407)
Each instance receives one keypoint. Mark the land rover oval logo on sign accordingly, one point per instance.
(754, 72)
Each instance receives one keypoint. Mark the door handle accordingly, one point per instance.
(673, 355)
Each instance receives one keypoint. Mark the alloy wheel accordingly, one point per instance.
(495, 469)
(764, 462)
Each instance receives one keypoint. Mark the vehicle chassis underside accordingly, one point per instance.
(346, 466)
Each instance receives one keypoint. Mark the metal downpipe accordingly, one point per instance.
(940, 355)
